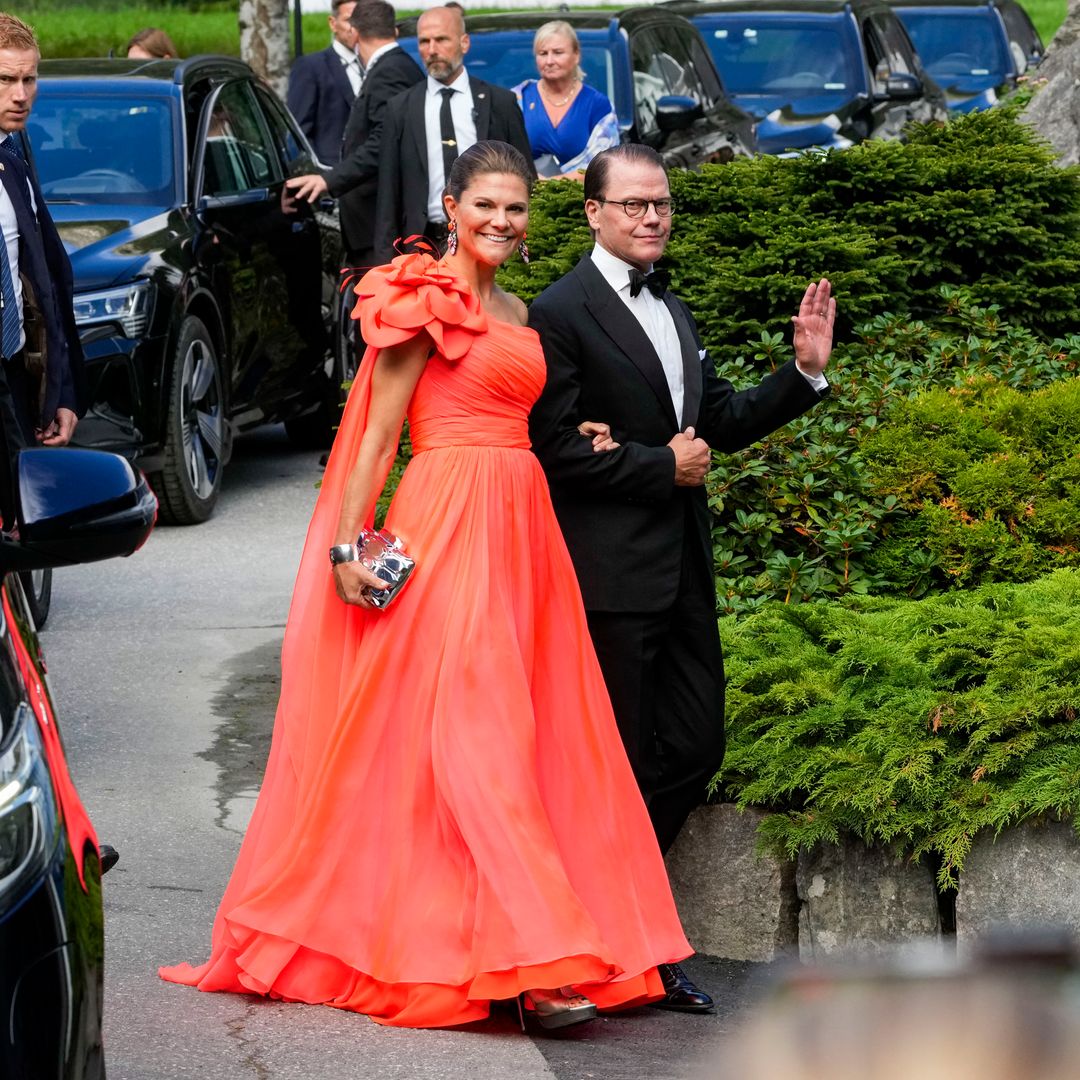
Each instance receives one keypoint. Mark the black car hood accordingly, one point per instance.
(110, 244)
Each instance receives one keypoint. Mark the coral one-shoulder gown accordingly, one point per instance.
(448, 816)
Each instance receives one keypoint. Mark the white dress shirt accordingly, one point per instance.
(655, 319)
(463, 113)
(351, 63)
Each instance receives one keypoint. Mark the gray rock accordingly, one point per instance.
(1055, 110)
(859, 900)
(1029, 876)
(733, 904)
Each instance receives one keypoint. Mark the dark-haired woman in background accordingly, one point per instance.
(448, 817)
(567, 121)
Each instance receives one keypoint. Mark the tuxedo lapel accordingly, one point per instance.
(481, 95)
(618, 322)
(691, 361)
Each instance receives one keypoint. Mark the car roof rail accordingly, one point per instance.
(208, 64)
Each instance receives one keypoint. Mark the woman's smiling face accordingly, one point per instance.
(491, 217)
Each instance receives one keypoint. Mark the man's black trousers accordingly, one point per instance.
(665, 674)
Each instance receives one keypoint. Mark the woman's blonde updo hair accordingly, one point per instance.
(558, 28)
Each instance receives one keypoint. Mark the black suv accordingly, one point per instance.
(72, 506)
(207, 301)
(826, 73)
(650, 62)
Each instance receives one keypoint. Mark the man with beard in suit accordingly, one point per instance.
(429, 125)
(389, 71)
(324, 85)
(622, 349)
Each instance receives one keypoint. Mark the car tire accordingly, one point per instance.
(315, 430)
(37, 586)
(195, 430)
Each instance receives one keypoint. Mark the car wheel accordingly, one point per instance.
(195, 430)
(37, 585)
(315, 430)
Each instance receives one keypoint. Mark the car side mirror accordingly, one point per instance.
(903, 86)
(675, 112)
(77, 506)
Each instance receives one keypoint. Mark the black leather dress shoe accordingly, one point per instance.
(109, 857)
(681, 994)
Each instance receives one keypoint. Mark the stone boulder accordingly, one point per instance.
(1054, 112)
(733, 903)
(859, 901)
(1028, 876)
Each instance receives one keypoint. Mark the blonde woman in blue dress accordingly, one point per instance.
(567, 121)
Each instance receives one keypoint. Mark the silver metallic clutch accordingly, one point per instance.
(384, 555)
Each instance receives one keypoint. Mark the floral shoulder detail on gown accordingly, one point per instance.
(417, 292)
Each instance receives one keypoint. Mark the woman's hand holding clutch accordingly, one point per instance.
(353, 580)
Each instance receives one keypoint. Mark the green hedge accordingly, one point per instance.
(911, 723)
(977, 202)
(969, 236)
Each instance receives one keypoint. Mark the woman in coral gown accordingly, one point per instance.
(448, 817)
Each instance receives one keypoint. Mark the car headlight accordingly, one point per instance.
(129, 307)
(29, 823)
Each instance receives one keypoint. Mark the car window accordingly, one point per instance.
(236, 156)
(960, 48)
(894, 43)
(1024, 40)
(681, 65)
(764, 54)
(651, 79)
(103, 149)
(294, 157)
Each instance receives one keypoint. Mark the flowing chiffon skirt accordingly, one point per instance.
(448, 816)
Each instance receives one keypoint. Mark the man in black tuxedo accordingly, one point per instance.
(389, 70)
(42, 384)
(622, 349)
(324, 85)
(429, 125)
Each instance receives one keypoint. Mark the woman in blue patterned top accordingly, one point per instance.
(568, 123)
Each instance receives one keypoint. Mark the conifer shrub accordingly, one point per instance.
(911, 723)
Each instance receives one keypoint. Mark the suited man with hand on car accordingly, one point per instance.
(354, 180)
(429, 125)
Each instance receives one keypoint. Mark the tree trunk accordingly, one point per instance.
(1054, 112)
(264, 40)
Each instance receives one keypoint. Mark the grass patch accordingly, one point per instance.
(1047, 15)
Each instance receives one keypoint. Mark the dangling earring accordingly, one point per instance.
(451, 238)
(523, 248)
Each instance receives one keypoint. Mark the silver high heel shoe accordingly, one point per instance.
(556, 1008)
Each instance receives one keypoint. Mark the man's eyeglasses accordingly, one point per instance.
(636, 208)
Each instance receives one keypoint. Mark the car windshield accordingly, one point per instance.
(959, 47)
(793, 56)
(106, 149)
(505, 58)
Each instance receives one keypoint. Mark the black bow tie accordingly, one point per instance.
(656, 282)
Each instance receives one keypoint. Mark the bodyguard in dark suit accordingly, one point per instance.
(41, 361)
(622, 349)
(324, 85)
(389, 70)
(429, 125)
